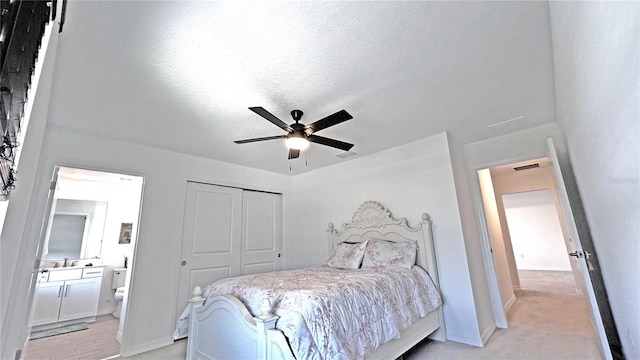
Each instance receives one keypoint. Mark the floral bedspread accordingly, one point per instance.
(329, 313)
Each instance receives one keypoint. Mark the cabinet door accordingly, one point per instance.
(46, 302)
(79, 299)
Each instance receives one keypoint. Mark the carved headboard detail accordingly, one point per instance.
(372, 220)
(373, 214)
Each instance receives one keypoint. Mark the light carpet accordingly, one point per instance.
(549, 320)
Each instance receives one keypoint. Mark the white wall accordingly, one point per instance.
(596, 57)
(494, 227)
(151, 310)
(514, 147)
(408, 180)
(534, 226)
(471, 236)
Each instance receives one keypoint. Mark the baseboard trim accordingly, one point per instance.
(475, 341)
(105, 311)
(486, 334)
(510, 303)
(152, 345)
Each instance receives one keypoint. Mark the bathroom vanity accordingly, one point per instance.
(68, 291)
(66, 295)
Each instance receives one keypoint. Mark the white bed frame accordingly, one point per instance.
(224, 328)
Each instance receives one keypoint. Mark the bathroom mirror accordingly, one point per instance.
(76, 230)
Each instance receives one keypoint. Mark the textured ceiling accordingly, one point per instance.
(181, 75)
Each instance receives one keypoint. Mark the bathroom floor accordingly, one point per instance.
(97, 342)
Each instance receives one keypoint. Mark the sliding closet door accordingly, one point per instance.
(261, 232)
(211, 237)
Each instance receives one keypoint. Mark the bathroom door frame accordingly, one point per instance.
(47, 218)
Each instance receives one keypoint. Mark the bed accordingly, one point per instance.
(267, 324)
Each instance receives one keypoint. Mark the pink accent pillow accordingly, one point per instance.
(382, 253)
(347, 256)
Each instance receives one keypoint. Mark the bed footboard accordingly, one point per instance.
(224, 329)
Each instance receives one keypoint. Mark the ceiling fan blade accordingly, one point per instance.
(260, 139)
(293, 154)
(269, 116)
(330, 142)
(330, 120)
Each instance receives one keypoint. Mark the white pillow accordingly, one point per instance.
(347, 256)
(383, 253)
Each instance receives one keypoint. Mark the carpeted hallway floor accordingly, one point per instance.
(547, 321)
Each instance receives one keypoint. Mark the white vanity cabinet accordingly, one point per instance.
(67, 294)
(46, 302)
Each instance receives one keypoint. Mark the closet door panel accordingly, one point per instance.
(211, 238)
(261, 232)
(213, 226)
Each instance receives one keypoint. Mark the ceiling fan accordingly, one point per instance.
(299, 135)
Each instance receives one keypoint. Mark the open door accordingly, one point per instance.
(44, 239)
(580, 236)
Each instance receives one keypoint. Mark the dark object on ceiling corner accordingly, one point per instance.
(300, 133)
(63, 15)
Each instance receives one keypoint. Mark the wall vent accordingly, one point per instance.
(526, 167)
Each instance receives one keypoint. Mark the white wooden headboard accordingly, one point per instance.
(372, 220)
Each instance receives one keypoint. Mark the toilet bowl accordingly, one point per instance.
(117, 284)
(119, 295)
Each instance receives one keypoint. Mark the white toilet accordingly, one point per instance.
(119, 277)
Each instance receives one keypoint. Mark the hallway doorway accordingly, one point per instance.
(530, 242)
(536, 237)
(498, 250)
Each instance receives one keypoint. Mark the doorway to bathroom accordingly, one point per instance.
(88, 247)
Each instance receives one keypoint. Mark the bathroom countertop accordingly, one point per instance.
(70, 267)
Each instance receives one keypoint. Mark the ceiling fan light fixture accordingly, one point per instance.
(300, 135)
(296, 142)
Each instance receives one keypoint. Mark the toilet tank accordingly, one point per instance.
(119, 277)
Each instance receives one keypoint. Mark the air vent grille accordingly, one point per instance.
(526, 167)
